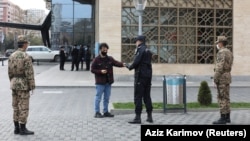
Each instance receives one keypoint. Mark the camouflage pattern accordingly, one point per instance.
(222, 78)
(221, 39)
(20, 70)
(223, 98)
(21, 39)
(20, 104)
(223, 66)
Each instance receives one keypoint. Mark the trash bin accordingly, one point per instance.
(174, 92)
(174, 89)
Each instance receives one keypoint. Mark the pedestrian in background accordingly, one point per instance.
(22, 82)
(74, 55)
(81, 56)
(62, 58)
(142, 80)
(222, 79)
(102, 67)
(88, 58)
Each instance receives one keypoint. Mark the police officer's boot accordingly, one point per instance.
(17, 128)
(25, 131)
(228, 120)
(136, 120)
(222, 120)
(149, 117)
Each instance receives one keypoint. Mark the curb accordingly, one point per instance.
(123, 86)
(132, 111)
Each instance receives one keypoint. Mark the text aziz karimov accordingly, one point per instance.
(183, 132)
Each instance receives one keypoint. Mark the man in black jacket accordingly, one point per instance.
(142, 81)
(87, 58)
(62, 58)
(74, 55)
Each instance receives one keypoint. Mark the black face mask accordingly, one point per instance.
(104, 53)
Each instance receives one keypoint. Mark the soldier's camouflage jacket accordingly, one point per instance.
(223, 66)
(20, 71)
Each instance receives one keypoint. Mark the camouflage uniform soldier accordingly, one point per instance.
(21, 76)
(222, 79)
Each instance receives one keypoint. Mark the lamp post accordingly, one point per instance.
(140, 6)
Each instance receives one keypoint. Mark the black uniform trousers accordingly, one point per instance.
(87, 64)
(62, 62)
(142, 89)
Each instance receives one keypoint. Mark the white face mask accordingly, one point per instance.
(217, 46)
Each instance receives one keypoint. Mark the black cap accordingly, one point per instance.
(140, 38)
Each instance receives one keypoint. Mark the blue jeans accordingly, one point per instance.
(102, 89)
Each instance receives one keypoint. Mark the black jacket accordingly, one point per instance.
(62, 55)
(142, 62)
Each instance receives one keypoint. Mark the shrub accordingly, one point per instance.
(204, 95)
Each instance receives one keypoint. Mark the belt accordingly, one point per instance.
(19, 75)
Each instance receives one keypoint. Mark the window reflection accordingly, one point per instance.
(72, 23)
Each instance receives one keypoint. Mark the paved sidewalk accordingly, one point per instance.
(62, 108)
(55, 78)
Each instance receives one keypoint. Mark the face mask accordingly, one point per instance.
(217, 46)
(104, 53)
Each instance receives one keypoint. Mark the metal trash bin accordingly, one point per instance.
(174, 91)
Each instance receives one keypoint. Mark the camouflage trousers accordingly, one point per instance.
(223, 98)
(20, 104)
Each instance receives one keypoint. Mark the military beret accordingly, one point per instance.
(21, 39)
(221, 39)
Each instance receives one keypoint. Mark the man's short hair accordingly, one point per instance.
(103, 45)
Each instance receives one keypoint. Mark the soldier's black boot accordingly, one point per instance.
(228, 120)
(136, 120)
(17, 128)
(222, 120)
(149, 117)
(25, 131)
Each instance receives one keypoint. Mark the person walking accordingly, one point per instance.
(22, 82)
(62, 58)
(222, 79)
(102, 67)
(87, 58)
(142, 80)
(74, 55)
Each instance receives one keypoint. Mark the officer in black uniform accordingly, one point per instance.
(142, 82)
(62, 58)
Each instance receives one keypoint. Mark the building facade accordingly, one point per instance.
(72, 23)
(9, 12)
(180, 33)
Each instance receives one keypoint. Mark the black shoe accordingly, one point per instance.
(107, 114)
(25, 131)
(150, 120)
(136, 120)
(98, 115)
(228, 120)
(149, 117)
(17, 128)
(222, 120)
